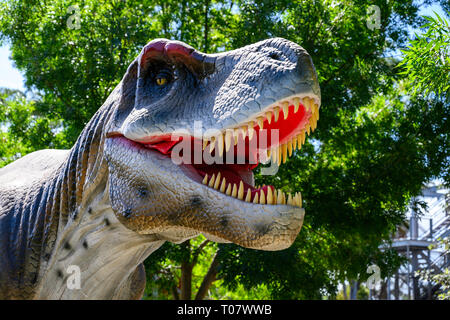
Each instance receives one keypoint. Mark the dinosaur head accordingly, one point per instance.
(190, 127)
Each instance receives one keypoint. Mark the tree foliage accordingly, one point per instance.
(375, 145)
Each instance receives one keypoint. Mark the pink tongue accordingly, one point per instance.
(162, 147)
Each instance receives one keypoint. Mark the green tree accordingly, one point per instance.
(374, 147)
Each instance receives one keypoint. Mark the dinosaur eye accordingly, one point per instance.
(163, 78)
(160, 81)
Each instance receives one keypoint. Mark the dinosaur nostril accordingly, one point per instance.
(275, 56)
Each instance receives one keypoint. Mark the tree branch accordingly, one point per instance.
(209, 278)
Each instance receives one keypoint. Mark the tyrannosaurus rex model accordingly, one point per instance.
(120, 192)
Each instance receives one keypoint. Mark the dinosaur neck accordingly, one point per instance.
(87, 236)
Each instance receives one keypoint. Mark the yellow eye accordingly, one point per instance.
(161, 81)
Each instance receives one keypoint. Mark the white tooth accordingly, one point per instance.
(248, 197)
(307, 104)
(260, 122)
(276, 113)
(255, 199)
(234, 192)
(289, 200)
(285, 106)
(228, 138)
(250, 130)
(211, 182)
(274, 154)
(223, 185)
(212, 144)
(269, 116)
(296, 103)
(217, 183)
(220, 144)
(236, 136)
(244, 130)
(241, 191)
(262, 198)
(205, 179)
(280, 197)
(269, 196)
(228, 192)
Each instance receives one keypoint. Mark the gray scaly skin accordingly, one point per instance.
(108, 203)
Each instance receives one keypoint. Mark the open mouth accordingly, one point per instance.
(273, 134)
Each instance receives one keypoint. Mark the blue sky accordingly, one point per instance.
(10, 77)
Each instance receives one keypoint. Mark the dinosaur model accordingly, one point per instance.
(106, 204)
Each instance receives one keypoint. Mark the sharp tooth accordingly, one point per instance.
(228, 137)
(289, 200)
(316, 107)
(205, 179)
(250, 130)
(285, 106)
(262, 198)
(223, 185)
(212, 144)
(289, 147)
(274, 155)
(284, 149)
(241, 191)
(217, 183)
(303, 137)
(228, 192)
(296, 104)
(234, 192)
(299, 141)
(205, 143)
(269, 116)
(298, 198)
(244, 132)
(307, 104)
(283, 197)
(220, 144)
(236, 136)
(211, 182)
(269, 196)
(311, 121)
(260, 123)
(294, 143)
(276, 113)
(255, 199)
(249, 195)
(308, 129)
(274, 193)
(279, 158)
(280, 197)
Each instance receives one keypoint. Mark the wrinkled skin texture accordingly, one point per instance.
(108, 203)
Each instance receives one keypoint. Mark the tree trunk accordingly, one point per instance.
(209, 278)
(186, 280)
